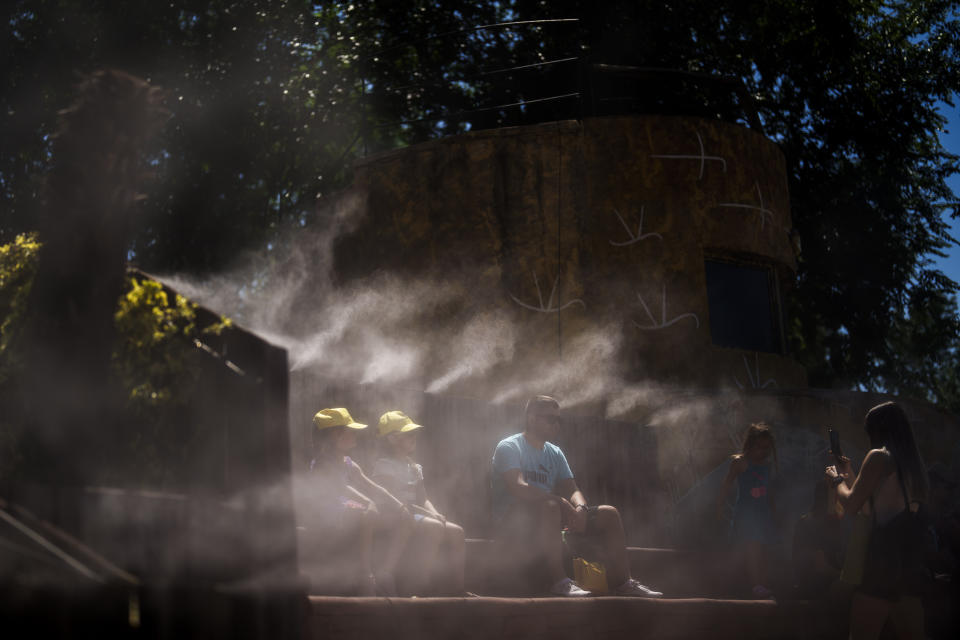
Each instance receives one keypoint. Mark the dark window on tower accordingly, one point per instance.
(744, 306)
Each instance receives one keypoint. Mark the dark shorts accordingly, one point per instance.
(516, 525)
(891, 593)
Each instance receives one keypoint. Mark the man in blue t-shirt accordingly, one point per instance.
(535, 496)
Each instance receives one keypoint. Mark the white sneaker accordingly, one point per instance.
(568, 589)
(633, 588)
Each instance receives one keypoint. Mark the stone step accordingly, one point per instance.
(676, 572)
(607, 618)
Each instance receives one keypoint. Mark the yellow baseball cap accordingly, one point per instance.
(335, 418)
(396, 422)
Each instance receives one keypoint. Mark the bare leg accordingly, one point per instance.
(533, 531)
(610, 526)
(367, 523)
(907, 618)
(549, 541)
(429, 536)
(364, 523)
(398, 531)
(454, 539)
(867, 616)
(434, 536)
(756, 565)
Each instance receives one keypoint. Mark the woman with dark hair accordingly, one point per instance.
(891, 486)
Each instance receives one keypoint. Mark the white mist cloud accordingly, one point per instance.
(487, 340)
(390, 362)
(584, 373)
(435, 334)
(624, 400)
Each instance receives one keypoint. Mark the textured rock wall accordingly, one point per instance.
(596, 226)
(590, 239)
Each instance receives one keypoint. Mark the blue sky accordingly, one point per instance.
(951, 140)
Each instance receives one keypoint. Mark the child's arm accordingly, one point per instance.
(382, 477)
(430, 510)
(359, 497)
(424, 500)
(378, 493)
(737, 466)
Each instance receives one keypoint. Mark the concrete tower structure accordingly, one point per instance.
(660, 245)
(673, 232)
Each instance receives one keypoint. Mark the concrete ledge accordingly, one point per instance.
(562, 618)
(676, 572)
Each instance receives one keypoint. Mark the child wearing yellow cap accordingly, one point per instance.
(345, 507)
(398, 473)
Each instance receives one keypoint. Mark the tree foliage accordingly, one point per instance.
(18, 264)
(154, 337)
(235, 157)
(153, 360)
(849, 91)
(272, 101)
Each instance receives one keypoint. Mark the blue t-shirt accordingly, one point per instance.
(541, 468)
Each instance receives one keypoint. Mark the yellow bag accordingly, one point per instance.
(591, 576)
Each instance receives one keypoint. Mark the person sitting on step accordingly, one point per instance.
(535, 496)
(397, 472)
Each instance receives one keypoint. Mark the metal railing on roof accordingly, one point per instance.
(577, 87)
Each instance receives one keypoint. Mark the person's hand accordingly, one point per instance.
(844, 468)
(566, 513)
(579, 519)
(739, 463)
(576, 517)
